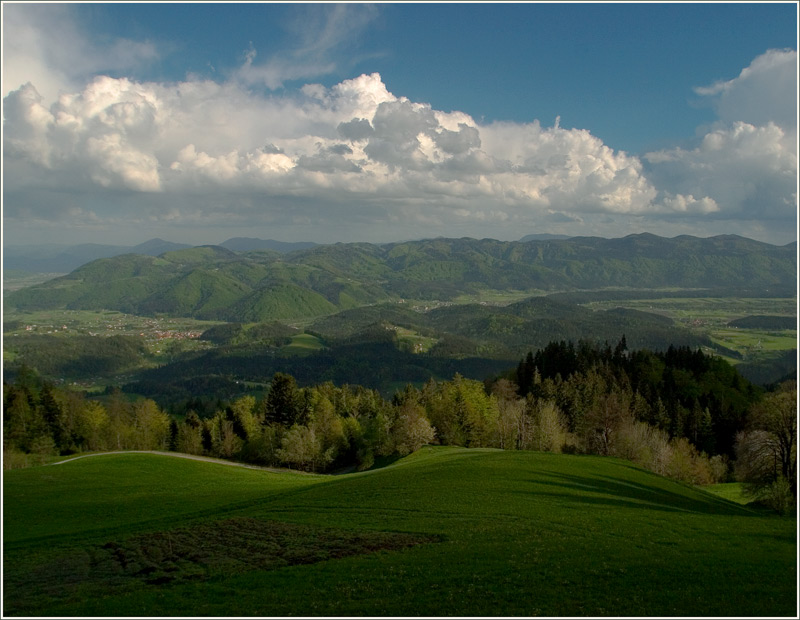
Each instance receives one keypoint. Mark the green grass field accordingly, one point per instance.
(733, 491)
(302, 344)
(444, 531)
(755, 340)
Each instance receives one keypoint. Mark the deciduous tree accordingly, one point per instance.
(767, 450)
(411, 429)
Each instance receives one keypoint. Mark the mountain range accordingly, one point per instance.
(213, 282)
(57, 258)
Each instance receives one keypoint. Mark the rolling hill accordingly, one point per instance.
(212, 282)
(444, 531)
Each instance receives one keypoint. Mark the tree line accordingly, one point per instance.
(681, 391)
(678, 413)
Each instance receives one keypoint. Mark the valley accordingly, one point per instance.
(419, 330)
(392, 416)
(442, 298)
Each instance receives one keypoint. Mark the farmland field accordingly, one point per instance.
(414, 342)
(102, 323)
(711, 316)
(444, 531)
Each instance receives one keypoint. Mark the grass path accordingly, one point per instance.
(193, 457)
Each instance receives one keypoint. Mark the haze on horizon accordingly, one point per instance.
(351, 122)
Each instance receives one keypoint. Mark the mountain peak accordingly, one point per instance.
(155, 247)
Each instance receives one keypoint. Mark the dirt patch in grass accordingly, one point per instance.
(186, 554)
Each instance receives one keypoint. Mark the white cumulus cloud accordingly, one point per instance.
(745, 165)
(207, 153)
(352, 140)
(764, 92)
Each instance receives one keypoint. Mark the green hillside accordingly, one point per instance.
(203, 254)
(120, 283)
(444, 531)
(200, 293)
(213, 282)
(509, 331)
(280, 301)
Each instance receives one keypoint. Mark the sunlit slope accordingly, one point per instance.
(519, 533)
(101, 495)
(494, 483)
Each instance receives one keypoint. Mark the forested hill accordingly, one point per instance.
(213, 282)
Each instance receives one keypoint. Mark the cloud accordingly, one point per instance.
(748, 171)
(44, 44)
(356, 130)
(172, 137)
(201, 153)
(321, 36)
(764, 92)
(745, 165)
(107, 133)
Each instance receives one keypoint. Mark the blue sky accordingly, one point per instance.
(197, 122)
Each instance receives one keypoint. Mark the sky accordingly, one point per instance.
(386, 122)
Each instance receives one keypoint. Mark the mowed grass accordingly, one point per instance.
(491, 533)
(732, 491)
(110, 493)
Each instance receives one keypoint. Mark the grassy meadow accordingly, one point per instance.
(444, 531)
(302, 344)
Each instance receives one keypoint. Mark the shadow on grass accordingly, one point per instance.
(380, 463)
(384, 461)
(585, 490)
(197, 553)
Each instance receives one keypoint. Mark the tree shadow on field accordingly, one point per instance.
(616, 492)
(379, 463)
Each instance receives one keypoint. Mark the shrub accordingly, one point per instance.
(778, 496)
(687, 464)
(643, 444)
(720, 468)
(15, 459)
